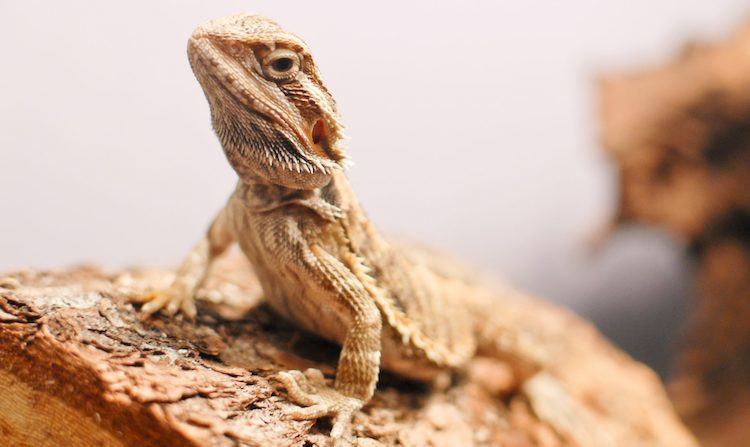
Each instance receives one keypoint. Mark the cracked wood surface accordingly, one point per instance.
(79, 367)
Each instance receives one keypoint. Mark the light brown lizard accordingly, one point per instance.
(322, 264)
(320, 261)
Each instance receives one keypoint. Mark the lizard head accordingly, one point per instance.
(269, 107)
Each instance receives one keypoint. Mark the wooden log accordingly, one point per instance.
(80, 367)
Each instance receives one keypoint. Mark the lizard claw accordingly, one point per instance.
(317, 399)
(169, 301)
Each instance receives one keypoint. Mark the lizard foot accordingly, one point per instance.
(169, 300)
(317, 399)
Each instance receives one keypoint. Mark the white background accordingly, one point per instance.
(473, 127)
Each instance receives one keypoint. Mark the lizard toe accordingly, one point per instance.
(317, 399)
(153, 302)
(315, 377)
(169, 301)
(302, 413)
(297, 388)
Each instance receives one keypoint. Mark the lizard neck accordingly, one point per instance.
(331, 201)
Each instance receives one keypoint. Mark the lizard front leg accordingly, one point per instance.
(359, 361)
(179, 296)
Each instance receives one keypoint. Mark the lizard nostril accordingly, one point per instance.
(318, 131)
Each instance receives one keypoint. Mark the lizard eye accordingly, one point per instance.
(281, 65)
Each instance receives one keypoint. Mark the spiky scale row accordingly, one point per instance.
(321, 262)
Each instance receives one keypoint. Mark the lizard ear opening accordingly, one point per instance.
(319, 132)
(319, 137)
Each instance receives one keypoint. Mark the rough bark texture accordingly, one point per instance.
(680, 135)
(78, 367)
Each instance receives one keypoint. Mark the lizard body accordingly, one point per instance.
(320, 261)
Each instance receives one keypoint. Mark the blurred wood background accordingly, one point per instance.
(680, 136)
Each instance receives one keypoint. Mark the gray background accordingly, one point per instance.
(472, 124)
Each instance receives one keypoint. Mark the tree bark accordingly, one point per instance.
(80, 367)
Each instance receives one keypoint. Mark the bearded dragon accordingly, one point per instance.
(320, 261)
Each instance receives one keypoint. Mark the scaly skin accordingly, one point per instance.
(323, 265)
(320, 262)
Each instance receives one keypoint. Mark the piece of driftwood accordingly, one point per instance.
(80, 367)
(680, 135)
